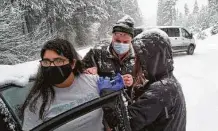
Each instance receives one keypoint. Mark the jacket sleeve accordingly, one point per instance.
(148, 107)
(89, 59)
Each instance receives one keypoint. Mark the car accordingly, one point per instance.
(181, 39)
(12, 96)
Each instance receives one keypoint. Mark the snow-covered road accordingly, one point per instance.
(198, 76)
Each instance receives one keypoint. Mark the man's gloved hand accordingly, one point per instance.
(114, 85)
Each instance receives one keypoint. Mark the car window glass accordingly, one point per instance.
(185, 33)
(171, 32)
(87, 122)
(15, 97)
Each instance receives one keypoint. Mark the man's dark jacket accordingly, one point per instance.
(107, 62)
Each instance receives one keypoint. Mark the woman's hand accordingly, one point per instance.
(92, 70)
(128, 80)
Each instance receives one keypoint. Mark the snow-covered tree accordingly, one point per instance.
(203, 18)
(159, 12)
(131, 8)
(180, 19)
(11, 33)
(213, 5)
(165, 14)
(200, 18)
(186, 8)
(196, 7)
(213, 11)
(26, 24)
(117, 9)
(174, 15)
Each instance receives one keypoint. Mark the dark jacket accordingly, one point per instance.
(161, 104)
(107, 63)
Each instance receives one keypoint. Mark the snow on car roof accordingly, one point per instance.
(152, 31)
(20, 74)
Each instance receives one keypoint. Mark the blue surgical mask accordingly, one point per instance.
(120, 48)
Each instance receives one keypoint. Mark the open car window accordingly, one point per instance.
(171, 32)
(14, 97)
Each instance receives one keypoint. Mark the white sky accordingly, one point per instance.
(149, 8)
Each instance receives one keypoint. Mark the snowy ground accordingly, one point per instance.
(196, 73)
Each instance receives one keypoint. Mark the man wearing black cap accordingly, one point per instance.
(116, 56)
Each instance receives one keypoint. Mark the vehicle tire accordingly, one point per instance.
(190, 50)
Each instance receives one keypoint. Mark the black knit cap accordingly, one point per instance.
(126, 25)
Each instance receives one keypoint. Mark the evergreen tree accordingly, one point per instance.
(187, 11)
(213, 11)
(166, 12)
(196, 7)
(159, 12)
(26, 24)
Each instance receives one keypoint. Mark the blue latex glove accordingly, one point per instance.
(115, 85)
(103, 83)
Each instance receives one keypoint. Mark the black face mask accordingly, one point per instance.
(56, 74)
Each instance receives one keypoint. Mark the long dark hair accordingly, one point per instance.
(139, 74)
(41, 89)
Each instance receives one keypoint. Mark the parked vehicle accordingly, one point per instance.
(181, 39)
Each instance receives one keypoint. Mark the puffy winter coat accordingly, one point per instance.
(107, 63)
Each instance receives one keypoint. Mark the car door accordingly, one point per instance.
(174, 35)
(14, 96)
(62, 121)
(186, 38)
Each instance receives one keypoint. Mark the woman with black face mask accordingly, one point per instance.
(61, 86)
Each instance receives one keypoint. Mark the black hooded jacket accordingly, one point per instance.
(161, 105)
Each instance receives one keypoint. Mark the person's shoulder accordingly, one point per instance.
(161, 84)
(165, 86)
(89, 77)
(95, 51)
(89, 80)
(103, 44)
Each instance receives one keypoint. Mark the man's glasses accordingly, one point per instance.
(56, 62)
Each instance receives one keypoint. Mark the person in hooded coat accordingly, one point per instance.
(159, 105)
